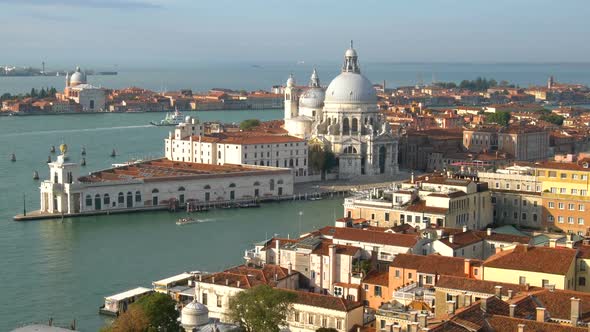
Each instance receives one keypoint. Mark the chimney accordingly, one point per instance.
(498, 291)
(212, 280)
(413, 327)
(467, 267)
(520, 327)
(575, 311)
(466, 299)
(358, 329)
(489, 231)
(464, 229)
(540, 314)
(527, 287)
(412, 178)
(484, 305)
(512, 308)
(423, 320)
(238, 284)
(290, 268)
(552, 243)
(413, 317)
(396, 328)
(451, 307)
(569, 244)
(510, 294)
(200, 277)
(278, 252)
(451, 238)
(276, 276)
(227, 282)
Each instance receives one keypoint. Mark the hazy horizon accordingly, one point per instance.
(139, 33)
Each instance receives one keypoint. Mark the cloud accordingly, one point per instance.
(99, 4)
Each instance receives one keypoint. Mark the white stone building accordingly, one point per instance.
(277, 149)
(90, 98)
(343, 118)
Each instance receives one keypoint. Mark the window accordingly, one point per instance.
(397, 273)
(553, 190)
(580, 221)
(339, 324)
(535, 203)
(551, 205)
(563, 175)
(204, 299)
(107, 199)
(574, 191)
(562, 190)
(561, 206)
(218, 301)
(386, 216)
(534, 217)
(550, 218)
(571, 207)
(570, 220)
(515, 215)
(560, 219)
(324, 322)
(507, 185)
(378, 291)
(475, 271)
(574, 176)
(582, 281)
(524, 216)
(552, 174)
(121, 198)
(338, 291)
(584, 177)
(522, 280)
(138, 196)
(581, 207)
(429, 280)
(88, 200)
(296, 316)
(409, 275)
(583, 192)
(310, 319)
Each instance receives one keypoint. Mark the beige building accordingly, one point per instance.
(528, 142)
(516, 196)
(432, 200)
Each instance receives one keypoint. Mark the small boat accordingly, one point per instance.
(249, 205)
(316, 198)
(113, 153)
(83, 151)
(171, 119)
(13, 157)
(35, 175)
(186, 221)
(52, 150)
(127, 163)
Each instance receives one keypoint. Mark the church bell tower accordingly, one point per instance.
(291, 106)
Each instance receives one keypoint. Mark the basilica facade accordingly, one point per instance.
(344, 119)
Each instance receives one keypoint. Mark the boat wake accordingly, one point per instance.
(48, 132)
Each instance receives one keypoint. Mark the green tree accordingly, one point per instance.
(502, 118)
(321, 160)
(553, 118)
(132, 320)
(160, 310)
(249, 124)
(52, 92)
(5, 96)
(260, 308)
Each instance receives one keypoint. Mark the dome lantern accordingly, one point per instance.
(351, 61)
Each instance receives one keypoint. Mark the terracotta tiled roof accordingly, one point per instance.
(462, 239)
(323, 249)
(480, 286)
(247, 138)
(421, 206)
(248, 277)
(534, 259)
(383, 238)
(556, 302)
(325, 301)
(377, 278)
(431, 264)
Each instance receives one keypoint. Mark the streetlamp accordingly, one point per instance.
(300, 215)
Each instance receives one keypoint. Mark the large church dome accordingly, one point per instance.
(350, 88)
(312, 98)
(78, 77)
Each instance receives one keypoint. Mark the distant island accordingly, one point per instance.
(12, 71)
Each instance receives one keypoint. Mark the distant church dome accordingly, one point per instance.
(78, 77)
(291, 81)
(350, 87)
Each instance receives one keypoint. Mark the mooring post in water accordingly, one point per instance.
(24, 205)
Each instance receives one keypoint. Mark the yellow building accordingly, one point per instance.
(566, 203)
(535, 266)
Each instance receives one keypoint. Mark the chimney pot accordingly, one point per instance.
(512, 308)
(552, 243)
(498, 291)
(510, 293)
(227, 282)
(423, 320)
(540, 314)
(238, 284)
(489, 231)
(575, 311)
(520, 327)
(451, 238)
(464, 229)
(451, 307)
(569, 244)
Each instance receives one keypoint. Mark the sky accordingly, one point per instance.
(180, 32)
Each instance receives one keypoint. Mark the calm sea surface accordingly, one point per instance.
(63, 269)
(263, 76)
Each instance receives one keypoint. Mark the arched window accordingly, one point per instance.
(129, 199)
(280, 182)
(349, 149)
(55, 178)
(207, 187)
(107, 199)
(272, 184)
(155, 191)
(121, 198)
(355, 125)
(181, 189)
(345, 126)
(138, 196)
(232, 185)
(256, 184)
(88, 200)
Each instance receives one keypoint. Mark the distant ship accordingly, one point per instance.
(300, 62)
(171, 119)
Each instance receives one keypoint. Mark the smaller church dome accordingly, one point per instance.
(291, 81)
(312, 98)
(350, 52)
(194, 314)
(78, 77)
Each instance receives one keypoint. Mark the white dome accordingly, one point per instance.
(78, 77)
(312, 98)
(291, 81)
(350, 88)
(194, 314)
(350, 52)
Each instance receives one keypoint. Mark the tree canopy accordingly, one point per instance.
(260, 308)
(132, 320)
(321, 160)
(479, 84)
(553, 118)
(160, 310)
(249, 124)
(502, 118)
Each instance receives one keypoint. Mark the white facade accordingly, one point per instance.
(90, 98)
(345, 120)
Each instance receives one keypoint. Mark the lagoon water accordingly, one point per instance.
(63, 269)
(201, 77)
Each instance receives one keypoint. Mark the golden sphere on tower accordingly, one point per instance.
(63, 148)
